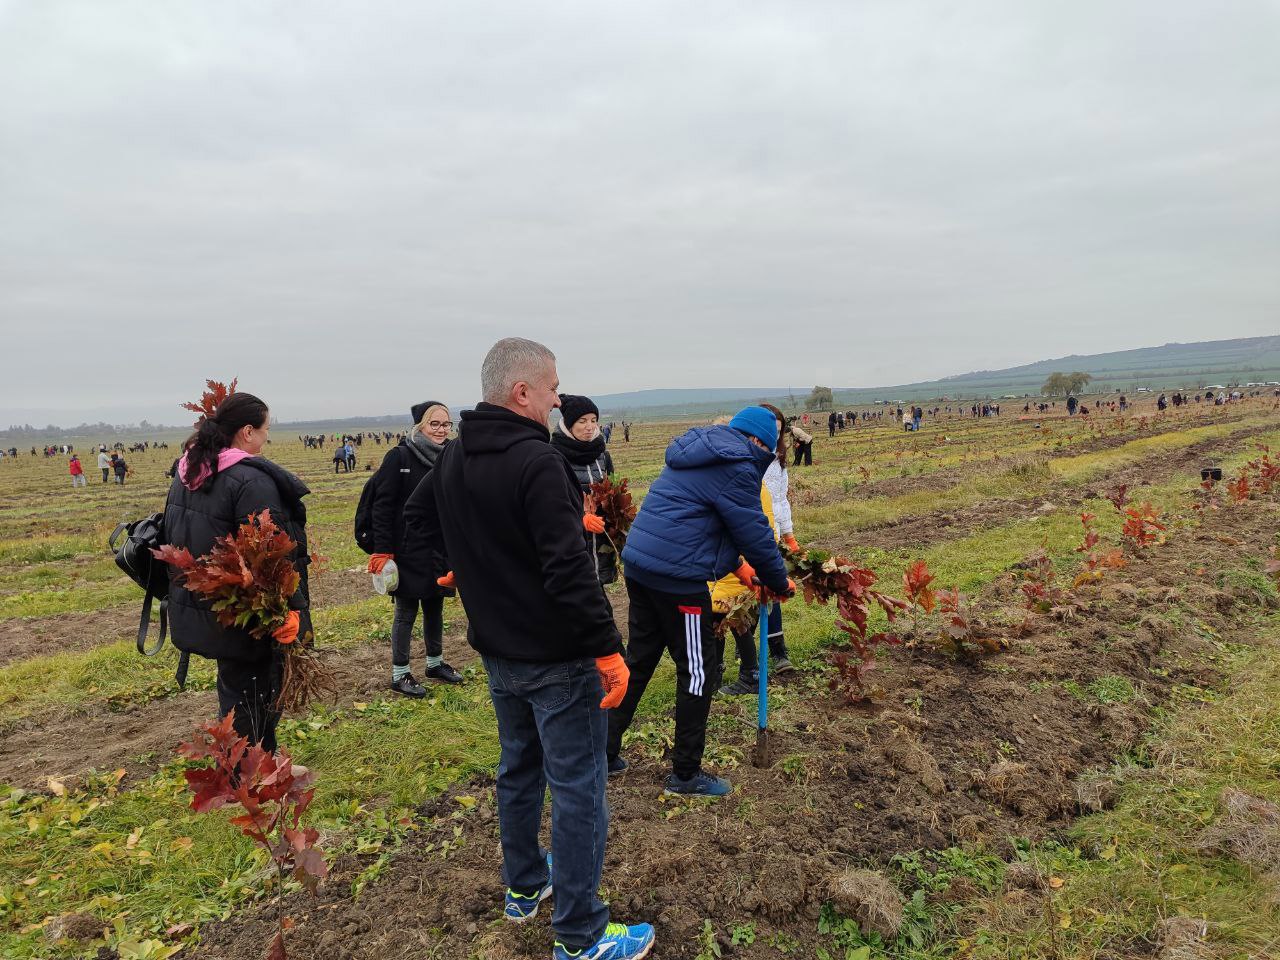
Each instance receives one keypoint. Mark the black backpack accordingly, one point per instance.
(364, 510)
(133, 556)
(364, 515)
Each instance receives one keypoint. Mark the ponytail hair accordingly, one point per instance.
(781, 452)
(214, 434)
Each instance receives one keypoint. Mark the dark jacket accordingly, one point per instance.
(509, 511)
(194, 519)
(591, 462)
(701, 513)
(399, 475)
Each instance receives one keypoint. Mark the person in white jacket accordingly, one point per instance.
(775, 481)
(104, 464)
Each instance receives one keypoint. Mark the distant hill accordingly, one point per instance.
(1173, 365)
(1188, 365)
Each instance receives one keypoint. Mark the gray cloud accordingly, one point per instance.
(345, 203)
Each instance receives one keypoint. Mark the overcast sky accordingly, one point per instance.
(345, 203)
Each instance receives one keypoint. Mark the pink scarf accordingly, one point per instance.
(226, 458)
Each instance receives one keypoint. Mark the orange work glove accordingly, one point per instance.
(378, 561)
(447, 581)
(613, 677)
(592, 523)
(789, 541)
(747, 574)
(287, 632)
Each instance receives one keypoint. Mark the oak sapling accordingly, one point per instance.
(1142, 526)
(1119, 496)
(1238, 488)
(274, 794)
(1040, 592)
(960, 631)
(918, 593)
(1096, 562)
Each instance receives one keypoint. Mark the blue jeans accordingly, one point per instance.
(552, 731)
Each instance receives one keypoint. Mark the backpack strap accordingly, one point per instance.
(144, 625)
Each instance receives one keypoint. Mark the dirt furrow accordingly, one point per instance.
(949, 476)
(142, 737)
(940, 526)
(25, 637)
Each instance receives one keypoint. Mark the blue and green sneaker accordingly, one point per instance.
(619, 942)
(520, 907)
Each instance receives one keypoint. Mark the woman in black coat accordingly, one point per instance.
(579, 440)
(220, 481)
(416, 558)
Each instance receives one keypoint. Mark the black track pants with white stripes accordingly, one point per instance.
(681, 625)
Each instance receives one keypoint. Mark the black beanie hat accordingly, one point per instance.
(573, 408)
(418, 409)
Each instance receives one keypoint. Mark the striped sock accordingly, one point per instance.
(433, 662)
(398, 671)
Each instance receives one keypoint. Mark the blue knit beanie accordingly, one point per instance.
(759, 423)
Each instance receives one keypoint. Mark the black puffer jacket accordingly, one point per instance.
(591, 462)
(509, 511)
(416, 557)
(195, 518)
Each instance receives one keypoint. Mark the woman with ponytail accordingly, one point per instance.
(220, 481)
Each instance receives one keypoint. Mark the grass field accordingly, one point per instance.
(1068, 796)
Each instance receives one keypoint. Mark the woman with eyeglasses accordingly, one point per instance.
(416, 560)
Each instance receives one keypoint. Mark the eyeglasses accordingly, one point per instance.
(440, 424)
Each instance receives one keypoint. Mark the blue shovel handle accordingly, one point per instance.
(762, 708)
(762, 695)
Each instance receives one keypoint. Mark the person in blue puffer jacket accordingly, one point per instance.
(698, 522)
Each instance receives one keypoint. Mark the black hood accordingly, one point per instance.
(493, 429)
(577, 451)
(291, 488)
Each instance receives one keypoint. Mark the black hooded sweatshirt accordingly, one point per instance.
(509, 510)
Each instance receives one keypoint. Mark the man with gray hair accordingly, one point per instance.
(509, 510)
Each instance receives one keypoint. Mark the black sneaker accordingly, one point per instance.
(444, 673)
(616, 765)
(699, 785)
(408, 686)
(740, 688)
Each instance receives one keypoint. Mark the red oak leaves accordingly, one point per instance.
(215, 395)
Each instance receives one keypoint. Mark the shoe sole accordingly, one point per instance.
(646, 951)
(411, 696)
(668, 792)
